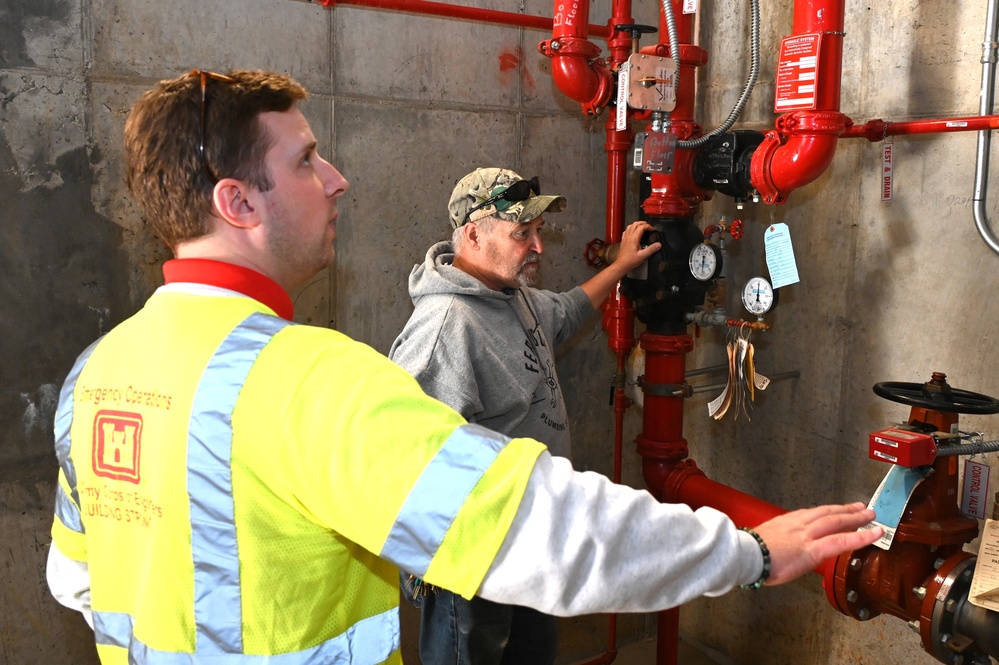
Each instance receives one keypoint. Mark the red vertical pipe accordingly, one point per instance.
(803, 144)
(618, 314)
(618, 142)
(825, 17)
(661, 442)
(662, 446)
(668, 637)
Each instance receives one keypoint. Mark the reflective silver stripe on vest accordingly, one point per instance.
(439, 495)
(217, 604)
(67, 508)
(363, 644)
(67, 511)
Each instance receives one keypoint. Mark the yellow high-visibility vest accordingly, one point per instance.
(242, 488)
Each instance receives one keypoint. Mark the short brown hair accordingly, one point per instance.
(163, 165)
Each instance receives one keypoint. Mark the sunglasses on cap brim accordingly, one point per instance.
(515, 193)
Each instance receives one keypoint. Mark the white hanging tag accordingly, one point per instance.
(689, 6)
(780, 256)
(974, 494)
(761, 382)
(621, 112)
(887, 169)
(716, 404)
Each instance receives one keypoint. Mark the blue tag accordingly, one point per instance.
(891, 497)
(780, 256)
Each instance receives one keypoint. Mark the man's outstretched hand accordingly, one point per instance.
(800, 540)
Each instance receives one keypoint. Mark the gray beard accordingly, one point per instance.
(526, 280)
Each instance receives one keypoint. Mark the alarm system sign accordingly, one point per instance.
(799, 57)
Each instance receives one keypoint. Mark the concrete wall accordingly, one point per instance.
(404, 105)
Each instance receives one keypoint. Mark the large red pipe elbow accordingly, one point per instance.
(577, 75)
(576, 69)
(777, 168)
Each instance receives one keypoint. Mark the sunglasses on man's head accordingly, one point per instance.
(515, 193)
(205, 75)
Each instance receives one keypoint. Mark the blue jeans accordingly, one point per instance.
(455, 631)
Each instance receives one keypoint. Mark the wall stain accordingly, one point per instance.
(54, 242)
(510, 62)
(14, 17)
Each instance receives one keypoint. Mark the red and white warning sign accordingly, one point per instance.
(799, 59)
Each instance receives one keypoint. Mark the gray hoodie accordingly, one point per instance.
(488, 354)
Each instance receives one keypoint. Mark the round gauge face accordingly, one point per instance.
(704, 262)
(758, 296)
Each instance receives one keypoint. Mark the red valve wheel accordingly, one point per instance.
(736, 229)
(594, 255)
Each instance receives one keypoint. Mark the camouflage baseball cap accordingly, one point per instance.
(481, 185)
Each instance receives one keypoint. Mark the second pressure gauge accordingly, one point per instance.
(758, 296)
(705, 262)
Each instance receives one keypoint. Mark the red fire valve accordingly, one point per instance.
(735, 229)
(902, 447)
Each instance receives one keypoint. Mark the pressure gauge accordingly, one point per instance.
(758, 296)
(705, 261)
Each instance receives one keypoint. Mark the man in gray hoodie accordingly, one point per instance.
(483, 341)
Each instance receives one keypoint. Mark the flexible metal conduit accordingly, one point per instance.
(985, 136)
(968, 449)
(754, 70)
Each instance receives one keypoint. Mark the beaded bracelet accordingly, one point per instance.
(765, 551)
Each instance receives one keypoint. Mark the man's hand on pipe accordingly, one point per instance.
(631, 254)
(800, 540)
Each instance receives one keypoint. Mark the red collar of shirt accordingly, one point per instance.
(235, 278)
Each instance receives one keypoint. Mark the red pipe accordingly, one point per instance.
(618, 314)
(668, 637)
(804, 142)
(687, 484)
(877, 130)
(576, 69)
(662, 446)
(825, 17)
(458, 11)
(661, 443)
